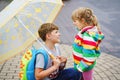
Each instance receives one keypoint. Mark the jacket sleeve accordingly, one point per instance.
(90, 51)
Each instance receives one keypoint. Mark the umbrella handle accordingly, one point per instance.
(52, 56)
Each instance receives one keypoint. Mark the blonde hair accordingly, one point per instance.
(87, 15)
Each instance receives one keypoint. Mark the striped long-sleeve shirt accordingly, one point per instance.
(86, 48)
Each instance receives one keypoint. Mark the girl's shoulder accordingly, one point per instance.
(95, 34)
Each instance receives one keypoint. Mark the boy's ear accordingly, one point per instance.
(48, 36)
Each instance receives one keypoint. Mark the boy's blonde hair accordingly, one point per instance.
(46, 28)
(87, 15)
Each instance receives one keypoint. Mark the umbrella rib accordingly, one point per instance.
(34, 36)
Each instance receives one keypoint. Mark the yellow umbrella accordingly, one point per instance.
(19, 23)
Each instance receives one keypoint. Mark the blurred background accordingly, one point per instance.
(108, 14)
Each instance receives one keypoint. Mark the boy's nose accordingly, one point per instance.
(59, 34)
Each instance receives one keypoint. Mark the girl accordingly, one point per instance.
(86, 43)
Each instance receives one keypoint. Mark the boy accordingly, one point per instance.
(48, 32)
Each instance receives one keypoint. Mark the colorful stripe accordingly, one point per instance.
(86, 48)
(85, 59)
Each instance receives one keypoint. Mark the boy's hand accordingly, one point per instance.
(63, 62)
(56, 62)
(62, 59)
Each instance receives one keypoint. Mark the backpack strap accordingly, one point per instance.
(31, 65)
(44, 53)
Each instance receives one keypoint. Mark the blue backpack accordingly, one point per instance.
(27, 63)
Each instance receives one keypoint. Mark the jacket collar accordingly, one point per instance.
(86, 28)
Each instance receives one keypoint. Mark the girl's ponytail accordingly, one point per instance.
(95, 22)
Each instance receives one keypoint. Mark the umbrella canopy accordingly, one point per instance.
(22, 18)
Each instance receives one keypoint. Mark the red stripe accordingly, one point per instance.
(79, 58)
(86, 28)
(86, 42)
(76, 57)
(78, 37)
(89, 43)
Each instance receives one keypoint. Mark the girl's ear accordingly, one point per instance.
(83, 20)
(84, 23)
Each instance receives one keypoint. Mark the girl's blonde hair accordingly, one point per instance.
(87, 15)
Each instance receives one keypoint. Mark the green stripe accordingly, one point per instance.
(96, 36)
(85, 52)
(77, 49)
(86, 34)
(90, 53)
(86, 68)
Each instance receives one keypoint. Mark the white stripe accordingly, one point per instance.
(79, 34)
(88, 38)
(77, 54)
(91, 59)
(79, 68)
(94, 29)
